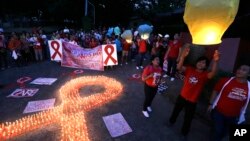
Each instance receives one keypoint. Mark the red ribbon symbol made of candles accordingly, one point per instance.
(109, 54)
(56, 48)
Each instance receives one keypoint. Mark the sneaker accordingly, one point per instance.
(149, 109)
(137, 68)
(141, 67)
(126, 63)
(172, 79)
(121, 64)
(165, 75)
(145, 113)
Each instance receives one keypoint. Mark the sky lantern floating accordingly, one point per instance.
(207, 20)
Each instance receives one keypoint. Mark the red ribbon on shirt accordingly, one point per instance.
(55, 45)
(109, 54)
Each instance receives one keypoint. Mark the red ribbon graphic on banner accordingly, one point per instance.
(109, 54)
(55, 45)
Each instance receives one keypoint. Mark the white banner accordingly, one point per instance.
(40, 105)
(55, 47)
(76, 57)
(109, 54)
(116, 125)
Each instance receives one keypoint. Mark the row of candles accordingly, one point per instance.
(70, 115)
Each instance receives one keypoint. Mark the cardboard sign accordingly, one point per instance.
(116, 125)
(44, 81)
(26, 92)
(55, 48)
(40, 105)
(109, 54)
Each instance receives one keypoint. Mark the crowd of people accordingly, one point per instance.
(26, 47)
(228, 101)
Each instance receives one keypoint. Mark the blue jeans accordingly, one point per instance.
(221, 125)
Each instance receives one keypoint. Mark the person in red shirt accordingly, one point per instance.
(195, 79)
(125, 50)
(142, 45)
(229, 101)
(172, 55)
(151, 76)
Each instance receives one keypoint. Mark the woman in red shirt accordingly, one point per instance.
(195, 79)
(172, 55)
(229, 101)
(151, 76)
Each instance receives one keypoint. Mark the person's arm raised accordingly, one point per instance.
(216, 58)
(182, 57)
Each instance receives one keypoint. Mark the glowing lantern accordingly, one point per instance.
(207, 20)
(127, 35)
(117, 30)
(145, 30)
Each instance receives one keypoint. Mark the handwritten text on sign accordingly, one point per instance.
(40, 105)
(77, 57)
(27, 92)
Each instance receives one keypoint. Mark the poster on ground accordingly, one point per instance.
(116, 125)
(43, 81)
(40, 105)
(25, 92)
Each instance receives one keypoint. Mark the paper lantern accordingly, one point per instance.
(110, 31)
(127, 35)
(117, 30)
(144, 31)
(207, 20)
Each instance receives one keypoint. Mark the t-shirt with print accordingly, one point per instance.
(152, 81)
(193, 84)
(233, 97)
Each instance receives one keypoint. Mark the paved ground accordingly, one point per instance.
(129, 105)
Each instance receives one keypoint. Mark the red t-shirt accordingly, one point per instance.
(174, 49)
(142, 46)
(126, 46)
(233, 97)
(152, 81)
(193, 84)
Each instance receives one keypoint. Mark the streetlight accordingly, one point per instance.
(94, 10)
(86, 8)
